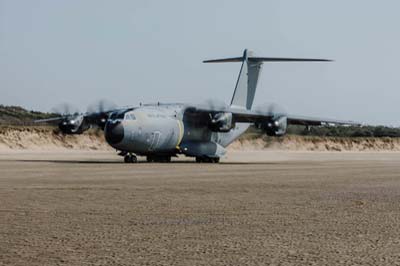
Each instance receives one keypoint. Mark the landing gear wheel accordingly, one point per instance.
(207, 160)
(130, 158)
(134, 159)
(215, 160)
(158, 159)
(165, 159)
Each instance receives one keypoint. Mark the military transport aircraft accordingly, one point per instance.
(160, 131)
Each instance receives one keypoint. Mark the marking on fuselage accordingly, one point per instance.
(155, 140)
(180, 137)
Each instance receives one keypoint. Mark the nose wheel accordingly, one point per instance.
(130, 158)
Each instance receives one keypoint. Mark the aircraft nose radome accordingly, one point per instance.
(114, 132)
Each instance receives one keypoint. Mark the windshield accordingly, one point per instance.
(117, 115)
(130, 116)
(125, 114)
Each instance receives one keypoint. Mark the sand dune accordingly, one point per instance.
(47, 138)
(311, 143)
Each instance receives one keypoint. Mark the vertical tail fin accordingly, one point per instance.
(246, 84)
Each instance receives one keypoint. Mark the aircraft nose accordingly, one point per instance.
(114, 132)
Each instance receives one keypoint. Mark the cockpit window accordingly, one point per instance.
(120, 115)
(130, 117)
(117, 115)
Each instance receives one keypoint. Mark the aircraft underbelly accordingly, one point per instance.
(201, 141)
(224, 139)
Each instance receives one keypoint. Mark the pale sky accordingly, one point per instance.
(78, 52)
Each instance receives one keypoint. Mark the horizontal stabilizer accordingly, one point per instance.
(225, 60)
(265, 59)
(247, 81)
(279, 59)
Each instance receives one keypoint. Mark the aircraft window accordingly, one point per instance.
(130, 117)
(117, 115)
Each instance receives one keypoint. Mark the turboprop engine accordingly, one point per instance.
(222, 122)
(274, 127)
(73, 124)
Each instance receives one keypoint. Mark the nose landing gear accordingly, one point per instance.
(130, 158)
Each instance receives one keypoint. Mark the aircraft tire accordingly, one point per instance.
(166, 159)
(158, 159)
(215, 160)
(207, 160)
(130, 159)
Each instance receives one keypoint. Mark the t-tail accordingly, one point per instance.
(246, 85)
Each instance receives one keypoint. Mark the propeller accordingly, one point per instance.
(100, 112)
(277, 125)
(65, 109)
(101, 106)
(271, 108)
(71, 121)
(220, 118)
(215, 105)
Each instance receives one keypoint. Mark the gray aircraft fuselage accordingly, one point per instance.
(167, 129)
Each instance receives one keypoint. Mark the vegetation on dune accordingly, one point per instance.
(330, 131)
(346, 131)
(16, 115)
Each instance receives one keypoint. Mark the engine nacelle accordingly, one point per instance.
(274, 127)
(222, 122)
(73, 125)
(102, 121)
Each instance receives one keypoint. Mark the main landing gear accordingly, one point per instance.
(207, 160)
(130, 158)
(158, 158)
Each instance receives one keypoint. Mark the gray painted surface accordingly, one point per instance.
(246, 85)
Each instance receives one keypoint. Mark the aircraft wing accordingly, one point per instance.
(312, 121)
(250, 116)
(78, 123)
(47, 120)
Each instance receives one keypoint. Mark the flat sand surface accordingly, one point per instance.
(255, 208)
